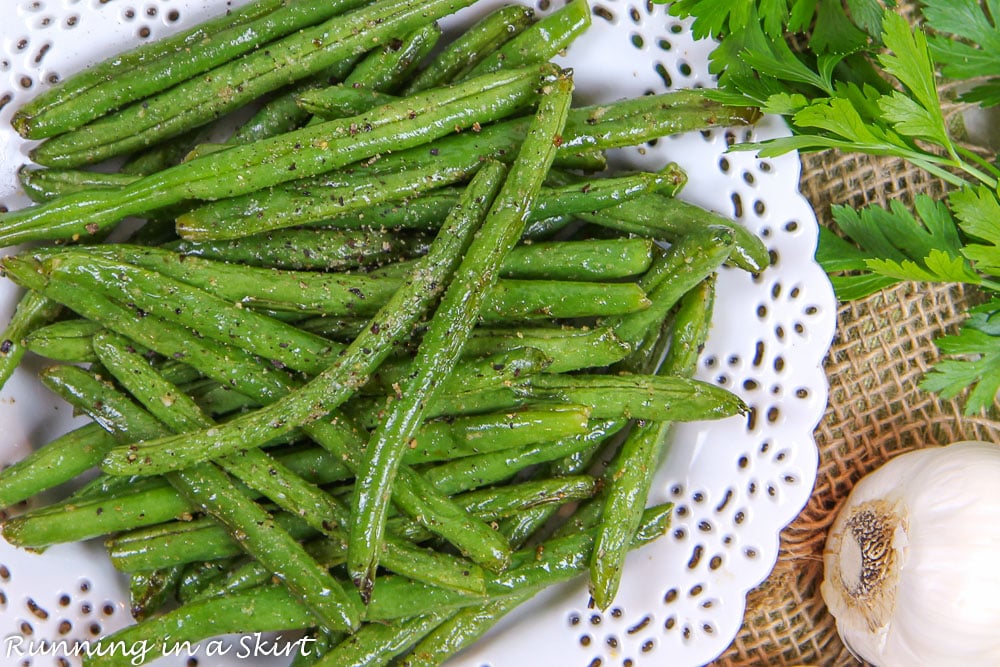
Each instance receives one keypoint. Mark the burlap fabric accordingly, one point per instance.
(882, 348)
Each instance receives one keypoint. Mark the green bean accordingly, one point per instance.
(449, 406)
(227, 365)
(462, 629)
(468, 49)
(45, 184)
(387, 68)
(470, 374)
(32, 311)
(690, 328)
(585, 259)
(168, 153)
(139, 505)
(419, 499)
(509, 500)
(241, 573)
(561, 299)
(178, 542)
(347, 294)
(488, 505)
(270, 608)
(339, 101)
(685, 264)
(267, 475)
(212, 491)
(56, 462)
(629, 122)
(569, 348)
(302, 249)
(210, 316)
(263, 609)
(448, 330)
(258, 534)
(635, 121)
(183, 542)
(329, 201)
(91, 394)
(302, 153)
(547, 228)
(541, 41)
(638, 397)
(359, 295)
(467, 436)
(279, 208)
(197, 577)
(607, 396)
(324, 392)
(66, 340)
(150, 591)
(670, 219)
(628, 487)
(469, 624)
(455, 525)
(110, 85)
(591, 259)
(311, 651)
(230, 86)
(494, 467)
(377, 643)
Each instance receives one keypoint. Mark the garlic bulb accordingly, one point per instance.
(912, 562)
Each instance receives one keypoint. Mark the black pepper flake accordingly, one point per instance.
(6, 346)
(356, 292)
(375, 328)
(435, 151)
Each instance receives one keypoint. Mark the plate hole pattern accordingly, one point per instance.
(52, 623)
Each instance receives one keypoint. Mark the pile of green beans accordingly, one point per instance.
(382, 365)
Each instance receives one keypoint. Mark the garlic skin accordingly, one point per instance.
(912, 562)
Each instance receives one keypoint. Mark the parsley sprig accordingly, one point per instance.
(856, 77)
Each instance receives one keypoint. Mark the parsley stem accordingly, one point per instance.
(990, 178)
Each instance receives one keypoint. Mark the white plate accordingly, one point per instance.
(736, 483)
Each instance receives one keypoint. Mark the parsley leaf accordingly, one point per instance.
(891, 245)
(834, 32)
(978, 213)
(978, 345)
(855, 76)
(967, 43)
(919, 116)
